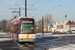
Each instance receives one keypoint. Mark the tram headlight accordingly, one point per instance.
(21, 39)
(34, 39)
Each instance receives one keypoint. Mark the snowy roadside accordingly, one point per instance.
(2, 33)
(5, 39)
(39, 35)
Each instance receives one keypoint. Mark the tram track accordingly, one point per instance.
(28, 45)
(46, 42)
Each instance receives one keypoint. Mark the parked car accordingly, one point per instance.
(57, 32)
(69, 32)
(73, 31)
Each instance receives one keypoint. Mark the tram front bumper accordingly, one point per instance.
(26, 39)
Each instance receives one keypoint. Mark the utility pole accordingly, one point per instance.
(42, 26)
(25, 8)
(19, 12)
(70, 25)
(16, 11)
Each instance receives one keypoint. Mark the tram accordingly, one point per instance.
(22, 29)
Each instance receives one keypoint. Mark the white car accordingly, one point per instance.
(73, 31)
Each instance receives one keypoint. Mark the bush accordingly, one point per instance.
(6, 30)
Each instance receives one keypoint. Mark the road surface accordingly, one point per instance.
(45, 42)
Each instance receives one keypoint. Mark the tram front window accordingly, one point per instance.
(27, 30)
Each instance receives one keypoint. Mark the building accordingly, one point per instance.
(63, 26)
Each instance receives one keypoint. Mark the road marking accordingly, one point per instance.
(68, 41)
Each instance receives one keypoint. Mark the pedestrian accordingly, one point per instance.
(54, 31)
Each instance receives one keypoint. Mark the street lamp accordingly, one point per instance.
(52, 11)
(51, 15)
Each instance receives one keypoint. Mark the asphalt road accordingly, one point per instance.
(8, 45)
(41, 43)
(54, 42)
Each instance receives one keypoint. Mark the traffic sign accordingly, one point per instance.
(51, 25)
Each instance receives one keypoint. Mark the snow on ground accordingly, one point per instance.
(54, 44)
(39, 35)
(5, 39)
(2, 33)
(67, 47)
(5, 36)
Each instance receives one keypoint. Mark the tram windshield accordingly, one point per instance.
(27, 30)
(27, 26)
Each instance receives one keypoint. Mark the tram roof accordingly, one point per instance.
(17, 18)
(24, 17)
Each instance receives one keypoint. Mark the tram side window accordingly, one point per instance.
(18, 29)
(11, 29)
(15, 29)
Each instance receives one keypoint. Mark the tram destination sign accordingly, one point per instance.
(27, 21)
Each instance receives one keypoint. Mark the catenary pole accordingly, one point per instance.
(42, 25)
(19, 12)
(25, 8)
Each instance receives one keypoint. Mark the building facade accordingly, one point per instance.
(63, 26)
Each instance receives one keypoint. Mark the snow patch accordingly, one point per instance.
(39, 35)
(5, 39)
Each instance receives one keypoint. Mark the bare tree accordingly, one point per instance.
(47, 19)
(40, 25)
(4, 23)
(36, 24)
(10, 22)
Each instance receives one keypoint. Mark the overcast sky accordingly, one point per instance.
(42, 7)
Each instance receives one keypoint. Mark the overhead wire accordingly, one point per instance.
(33, 6)
(44, 4)
(18, 5)
(16, 1)
(41, 5)
(15, 9)
(23, 1)
(36, 2)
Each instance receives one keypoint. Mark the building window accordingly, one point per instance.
(60, 27)
(54, 23)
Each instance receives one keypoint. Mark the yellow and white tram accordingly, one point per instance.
(23, 29)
